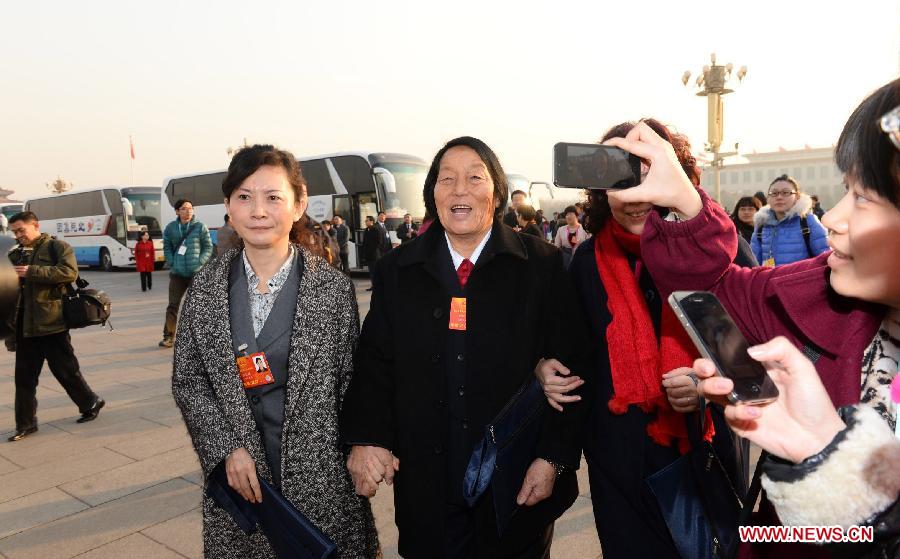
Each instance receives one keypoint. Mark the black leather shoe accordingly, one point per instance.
(92, 414)
(167, 342)
(19, 435)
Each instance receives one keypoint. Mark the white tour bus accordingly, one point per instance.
(102, 225)
(352, 184)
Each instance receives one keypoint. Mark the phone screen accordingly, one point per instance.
(725, 345)
(594, 166)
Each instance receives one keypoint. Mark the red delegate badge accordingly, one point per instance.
(458, 313)
(254, 370)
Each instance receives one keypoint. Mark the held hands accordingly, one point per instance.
(369, 466)
(538, 484)
(799, 424)
(681, 390)
(554, 378)
(241, 471)
(666, 185)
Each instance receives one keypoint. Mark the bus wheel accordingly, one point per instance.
(105, 260)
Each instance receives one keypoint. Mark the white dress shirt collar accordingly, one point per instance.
(458, 258)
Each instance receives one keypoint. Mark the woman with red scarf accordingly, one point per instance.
(643, 387)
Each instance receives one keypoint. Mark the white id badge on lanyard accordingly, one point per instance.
(182, 250)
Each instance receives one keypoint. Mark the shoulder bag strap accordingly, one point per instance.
(804, 230)
(54, 254)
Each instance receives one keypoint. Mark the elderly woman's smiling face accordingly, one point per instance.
(464, 194)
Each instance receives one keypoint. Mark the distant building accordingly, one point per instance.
(813, 168)
(5, 196)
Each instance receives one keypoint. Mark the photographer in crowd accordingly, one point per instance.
(44, 266)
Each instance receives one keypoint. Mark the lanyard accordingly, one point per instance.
(187, 233)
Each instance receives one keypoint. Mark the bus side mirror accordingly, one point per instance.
(386, 178)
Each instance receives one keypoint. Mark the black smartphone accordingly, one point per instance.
(718, 338)
(594, 166)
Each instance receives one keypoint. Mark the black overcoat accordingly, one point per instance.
(619, 453)
(521, 307)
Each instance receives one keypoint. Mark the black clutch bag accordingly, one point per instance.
(289, 532)
(502, 457)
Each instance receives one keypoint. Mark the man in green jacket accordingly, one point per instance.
(45, 266)
(187, 246)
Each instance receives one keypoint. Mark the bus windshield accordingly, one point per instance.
(518, 182)
(409, 178)
(146, 211)
(10, 209)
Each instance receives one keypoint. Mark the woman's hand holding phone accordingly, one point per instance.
(799, 424)
(666, 185)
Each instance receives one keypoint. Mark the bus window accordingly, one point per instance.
(121, 231)
(368, 206)
(114, 201)
(342, 207)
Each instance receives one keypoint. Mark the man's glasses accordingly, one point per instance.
(890, 124)
(781, 193)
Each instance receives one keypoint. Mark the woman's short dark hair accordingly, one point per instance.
(597, 207)
(248, 160)
(865, 152)
(490, 160)
(570, 210)
(746, 202)
(526, 212)
(181, 202)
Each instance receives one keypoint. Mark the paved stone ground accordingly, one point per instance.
(128, 484)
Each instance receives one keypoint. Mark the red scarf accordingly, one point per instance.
(636, 362)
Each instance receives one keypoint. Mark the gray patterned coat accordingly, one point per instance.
(208, 390)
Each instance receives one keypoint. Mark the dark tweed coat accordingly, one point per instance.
(208, 390)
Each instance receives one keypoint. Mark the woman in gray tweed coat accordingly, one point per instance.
(277, 299)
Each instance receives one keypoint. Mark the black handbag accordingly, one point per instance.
(698, 500)
(502, 457)
(289, 532)
(84, 307)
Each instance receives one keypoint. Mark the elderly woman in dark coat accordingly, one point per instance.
(456, 327)
(276, 299)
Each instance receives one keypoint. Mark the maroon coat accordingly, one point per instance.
(794, 300)
(144, 256)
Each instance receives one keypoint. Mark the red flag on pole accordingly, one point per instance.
(131, 145)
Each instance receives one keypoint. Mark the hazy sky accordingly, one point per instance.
(190, 79)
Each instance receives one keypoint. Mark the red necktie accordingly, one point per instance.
(465, 268)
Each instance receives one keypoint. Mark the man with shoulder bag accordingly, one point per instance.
(45, 267)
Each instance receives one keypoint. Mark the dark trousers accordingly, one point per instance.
(461, 537)
(177, 286)
(146, 281)
(345, 262)
(57, 350)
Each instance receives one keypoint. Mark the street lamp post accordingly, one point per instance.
(712, 82)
